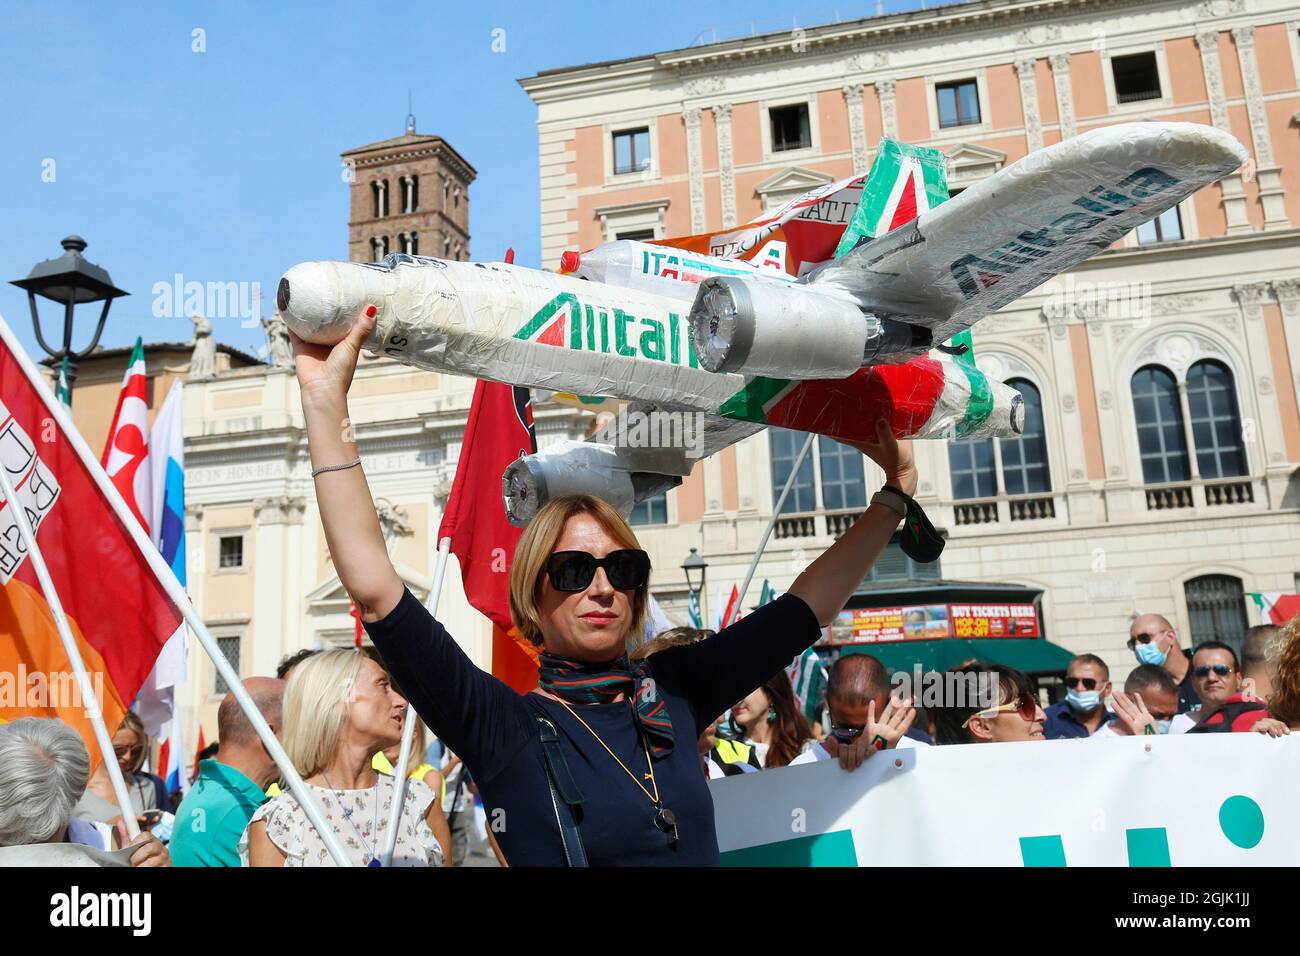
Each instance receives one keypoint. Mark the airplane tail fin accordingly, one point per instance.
(903, 182)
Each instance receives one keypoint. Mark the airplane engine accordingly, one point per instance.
(576, 468)
(791, 331)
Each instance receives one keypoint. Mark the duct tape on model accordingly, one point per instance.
(540, 330)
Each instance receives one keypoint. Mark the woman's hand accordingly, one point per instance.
(893, 456)
(1271, 726)
(1133, 714)
(325, 371)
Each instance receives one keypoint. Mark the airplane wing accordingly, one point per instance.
(1000, 238)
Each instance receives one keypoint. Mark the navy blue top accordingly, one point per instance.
(1063, 723)
(494, 730)
(1188, 699)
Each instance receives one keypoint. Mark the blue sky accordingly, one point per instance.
(223, 166)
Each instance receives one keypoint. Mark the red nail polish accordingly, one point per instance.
(371, 311)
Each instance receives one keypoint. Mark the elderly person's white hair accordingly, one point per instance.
(44, 769)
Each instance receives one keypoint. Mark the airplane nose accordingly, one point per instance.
(311, 300)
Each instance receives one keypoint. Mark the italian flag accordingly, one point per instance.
(1275, 607)
(127, 448)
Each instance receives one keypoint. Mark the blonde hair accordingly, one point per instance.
(131, 721)
(536, 545)
(1284, 702)
(316, 704)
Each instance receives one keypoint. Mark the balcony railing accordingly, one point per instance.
(832, 523)
(1215, 493)
(981, 511)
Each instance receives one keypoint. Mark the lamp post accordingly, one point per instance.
(695, 567)
(70, 280)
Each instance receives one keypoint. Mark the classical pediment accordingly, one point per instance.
(796, 179)
(968, 164)
(329, 607)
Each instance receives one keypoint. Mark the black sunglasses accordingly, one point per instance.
(846, 733)
(574, 570)
(1223, 670)
(1089, 683)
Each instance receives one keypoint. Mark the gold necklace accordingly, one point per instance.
(663, 818)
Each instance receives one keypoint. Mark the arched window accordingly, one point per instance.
(1216, 423)
(1162, 443)
(1024, 458)
(410, 194)
(378, 247)
(415, 243)
(1216, 609)
(379, 192)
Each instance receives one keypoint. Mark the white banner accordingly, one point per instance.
(1185, 800)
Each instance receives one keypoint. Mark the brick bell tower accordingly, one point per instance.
(409, 194)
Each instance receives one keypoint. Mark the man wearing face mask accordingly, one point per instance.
(1152, 640)
(1147, 705)
(1087, 685)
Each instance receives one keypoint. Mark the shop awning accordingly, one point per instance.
(1031, 655)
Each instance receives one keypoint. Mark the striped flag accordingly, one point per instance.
(693, 610)
(62, 390)
(127, 450)
(766, 594)
(731, 610)
(808, 677)
(166, 523)
(1276, 607)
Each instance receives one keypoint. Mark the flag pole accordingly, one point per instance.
(408, 723)
(91, 702)
(776, 513)
(167, 579)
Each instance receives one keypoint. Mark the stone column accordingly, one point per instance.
(726, 171)
(1288, 297)
(857, 129)
(695, 169)
(277, 562)
(1234, 196)
(1269, 456)
(885, 89)
(1064, 95)
(1267, 172)
(1029, 102)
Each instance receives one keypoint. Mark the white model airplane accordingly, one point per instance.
(751, 339)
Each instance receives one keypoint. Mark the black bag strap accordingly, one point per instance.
(564, 794)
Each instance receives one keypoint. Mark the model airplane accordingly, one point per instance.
(838, 327)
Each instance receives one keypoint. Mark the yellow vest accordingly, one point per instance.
(733, 751)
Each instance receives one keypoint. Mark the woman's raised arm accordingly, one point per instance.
(826, 585)
(347, 511)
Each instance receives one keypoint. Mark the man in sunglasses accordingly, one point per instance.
(1152, 640)
(1087, 686)
(1216, 677)
(865, 717)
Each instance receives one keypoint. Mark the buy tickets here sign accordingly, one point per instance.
(930, 621)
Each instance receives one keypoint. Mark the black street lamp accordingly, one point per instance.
(695, 567)
(70, 280)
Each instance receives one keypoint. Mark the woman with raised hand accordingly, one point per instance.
(598, 765)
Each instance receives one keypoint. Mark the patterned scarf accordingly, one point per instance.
(583, 682)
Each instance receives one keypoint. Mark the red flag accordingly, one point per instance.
(198, 750)
(127, 449)
(358, 630)
(732, 613)
(499, 430)
(164, 758)
(118, 612)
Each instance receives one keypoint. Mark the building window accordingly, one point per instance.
(653, 510)
(378, 247)
(790, 127)
(973, 468)
(379, 193)
(894, 565)
(1162, 443)
(958, 102)
(410, 194)
(1136, 77)
(640, 235)
(1216, 610)
(409, 243)
(229, 647)
(844, 485)
(1216, 423)
(230, 550)
(1165, 227)
(1024, 458)
(414, 243)
(786, 445)
(631, 151)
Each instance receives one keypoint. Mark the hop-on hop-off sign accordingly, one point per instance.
(930, 621)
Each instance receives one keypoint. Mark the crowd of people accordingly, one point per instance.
(607, 761)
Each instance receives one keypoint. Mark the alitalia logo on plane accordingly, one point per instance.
(565, 322)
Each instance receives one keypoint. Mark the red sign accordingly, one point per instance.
(932, 621)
